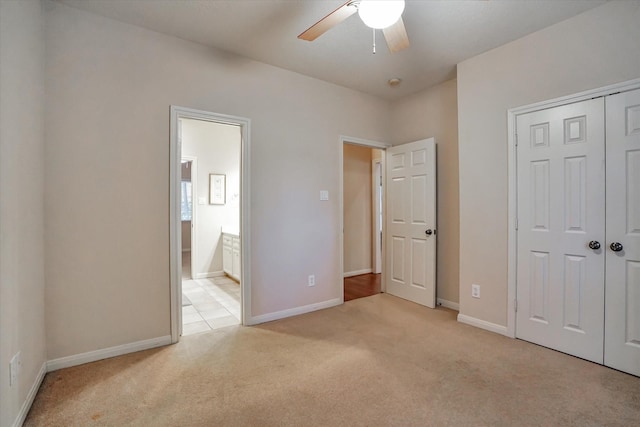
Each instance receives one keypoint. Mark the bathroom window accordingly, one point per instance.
(186, 204)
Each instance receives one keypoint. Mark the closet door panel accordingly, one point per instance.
(622, 321)
(561, 179)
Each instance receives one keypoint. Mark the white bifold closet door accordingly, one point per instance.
(622, 313)
(578, 260)
(561, 207)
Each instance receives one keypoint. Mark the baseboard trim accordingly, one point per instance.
(482, 324)
(358, 272)
(448, 304)
(105, 353)
(26, 405)
(209, 274)
(293, 311)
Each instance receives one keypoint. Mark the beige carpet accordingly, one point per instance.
(375, 361)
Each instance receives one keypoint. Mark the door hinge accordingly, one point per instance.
(516, 223)
(516, 139)
(515, 305)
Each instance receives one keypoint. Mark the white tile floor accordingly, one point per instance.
(208, 303)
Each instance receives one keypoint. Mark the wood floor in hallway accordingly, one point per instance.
(361, 286)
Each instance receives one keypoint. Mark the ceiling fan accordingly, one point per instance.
(376, 14)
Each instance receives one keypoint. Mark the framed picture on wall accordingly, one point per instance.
(217, 189)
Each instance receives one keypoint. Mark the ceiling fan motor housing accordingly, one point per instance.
(379, 14)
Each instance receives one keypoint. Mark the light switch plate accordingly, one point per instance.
(202, 200)
(324, 195)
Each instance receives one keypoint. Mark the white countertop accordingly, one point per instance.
(231, 232)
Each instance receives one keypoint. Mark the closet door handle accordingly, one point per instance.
(594, 244)
(616, 247)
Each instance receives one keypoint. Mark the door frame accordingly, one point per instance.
(363, 143)
(512, 231)
(194, 191)
(175, 224)
(376, 223)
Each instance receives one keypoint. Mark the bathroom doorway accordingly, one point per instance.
(210, 215)
(209, 285)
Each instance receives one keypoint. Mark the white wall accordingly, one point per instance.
(357, 208)
(591, 50)
(217, 147)
(109, 89)
(21, 205)
(434, 113)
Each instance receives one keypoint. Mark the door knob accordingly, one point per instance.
(594, 244)
(616, 247)
(429, 232)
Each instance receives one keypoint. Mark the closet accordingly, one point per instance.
(578, 229)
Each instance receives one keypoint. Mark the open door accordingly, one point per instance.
(410, 267)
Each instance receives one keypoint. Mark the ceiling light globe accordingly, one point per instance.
(380, 14)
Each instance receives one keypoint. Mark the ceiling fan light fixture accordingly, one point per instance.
(379, 14)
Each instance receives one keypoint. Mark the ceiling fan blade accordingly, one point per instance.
(329, 21)
(396, 36)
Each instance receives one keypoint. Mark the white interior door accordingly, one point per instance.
(622, 325)
(410, 260)
(561, 179)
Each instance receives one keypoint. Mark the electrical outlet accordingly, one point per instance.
(475, 291)
(14, 369)
(312, 280)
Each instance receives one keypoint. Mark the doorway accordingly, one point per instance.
(208, 195)
(210, 214)
(409, 218)
(362, 220)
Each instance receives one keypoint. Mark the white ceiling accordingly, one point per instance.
(442, 34)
